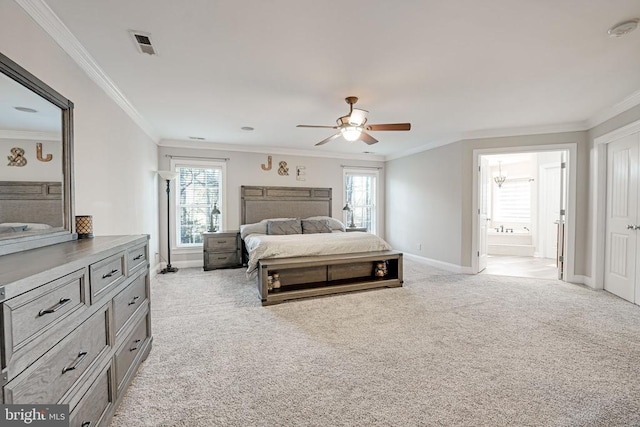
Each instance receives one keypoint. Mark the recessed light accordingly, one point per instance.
(197, 138)
(26, 109)
(623, 28)
(247, 128)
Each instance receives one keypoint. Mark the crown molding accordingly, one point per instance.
(203, 145)
(610, 112)
(30, 135)
(52, 25)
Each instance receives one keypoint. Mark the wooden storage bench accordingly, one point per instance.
(302, 277)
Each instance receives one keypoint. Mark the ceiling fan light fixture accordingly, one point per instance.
(358, 116)
(351, 133)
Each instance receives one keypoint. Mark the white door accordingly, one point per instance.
(622, 217)
(483, 209)
(550, 209)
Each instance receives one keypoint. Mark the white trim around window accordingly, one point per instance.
(378, 194)
(175, 164)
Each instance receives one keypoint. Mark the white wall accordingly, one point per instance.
(115, 161)
(244, 168)
(424, 204)
(429, 197)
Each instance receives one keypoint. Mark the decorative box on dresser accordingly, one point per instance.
(75, 324)
(221, 249)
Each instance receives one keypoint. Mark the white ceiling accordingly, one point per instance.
(453, 69)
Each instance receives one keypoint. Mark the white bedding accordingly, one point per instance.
(293, 245)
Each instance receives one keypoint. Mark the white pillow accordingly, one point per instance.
(259, 228)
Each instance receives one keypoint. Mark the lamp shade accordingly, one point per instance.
(346, 207)
(168, 175)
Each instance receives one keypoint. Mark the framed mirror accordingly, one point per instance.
(36, 165)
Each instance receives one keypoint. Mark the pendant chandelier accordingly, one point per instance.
(500, 178)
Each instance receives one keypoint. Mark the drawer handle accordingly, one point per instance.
(222, 241)
(133, 301)
(222, 257)
(111, 273)
(86, 424)
(79, 360)
(58, 306)
(138, 257)
(136, 347)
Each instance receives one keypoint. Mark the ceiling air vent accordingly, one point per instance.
(143, 42)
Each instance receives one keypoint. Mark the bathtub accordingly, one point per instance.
(518, 243)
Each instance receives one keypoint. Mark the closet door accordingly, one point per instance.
(622, 225)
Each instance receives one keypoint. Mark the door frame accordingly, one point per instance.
(570, 218)
(598, 182)
(541, 239)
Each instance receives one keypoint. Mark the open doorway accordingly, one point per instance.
(522, 213)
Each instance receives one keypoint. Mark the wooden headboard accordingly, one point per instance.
(260, 203)
(31, 201)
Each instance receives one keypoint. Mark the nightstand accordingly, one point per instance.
(221, 249)
(356, 229)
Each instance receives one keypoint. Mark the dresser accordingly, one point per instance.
(221, 250)
(75, 324)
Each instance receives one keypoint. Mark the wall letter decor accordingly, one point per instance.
(268, 167)
(18, 158)
(283, 170)
(39, 153)
(300, 173)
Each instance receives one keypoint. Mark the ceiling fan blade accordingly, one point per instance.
(390, 126)
(317, 126)
(331, 138)
(358, 116)
(365, 137)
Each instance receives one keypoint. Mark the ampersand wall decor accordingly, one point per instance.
(17, 159)
(283, 169)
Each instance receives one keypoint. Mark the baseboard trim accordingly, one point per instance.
(584, 280)
(439, 264)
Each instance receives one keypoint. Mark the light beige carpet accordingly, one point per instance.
(444, 350)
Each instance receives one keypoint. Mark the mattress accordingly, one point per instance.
(261, 246)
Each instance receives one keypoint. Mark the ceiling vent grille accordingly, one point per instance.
(143, 42)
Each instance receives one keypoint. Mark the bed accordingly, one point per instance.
(313, 263)
(29, 206)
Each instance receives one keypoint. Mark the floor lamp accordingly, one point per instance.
(168, 176)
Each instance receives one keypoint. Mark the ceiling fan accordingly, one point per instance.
(352, 126)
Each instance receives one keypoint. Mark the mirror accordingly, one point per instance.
(36, 175)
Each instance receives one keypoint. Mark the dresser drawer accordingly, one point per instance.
(129, 300)
(26, 317)
(95, 403)
(130, 349)
(47, 380)
(221, 259)
(221, 243)
(106, 275)
(136, 257)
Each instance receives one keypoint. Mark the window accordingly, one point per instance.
(199, 188)
(360, 193)
(512, 202)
